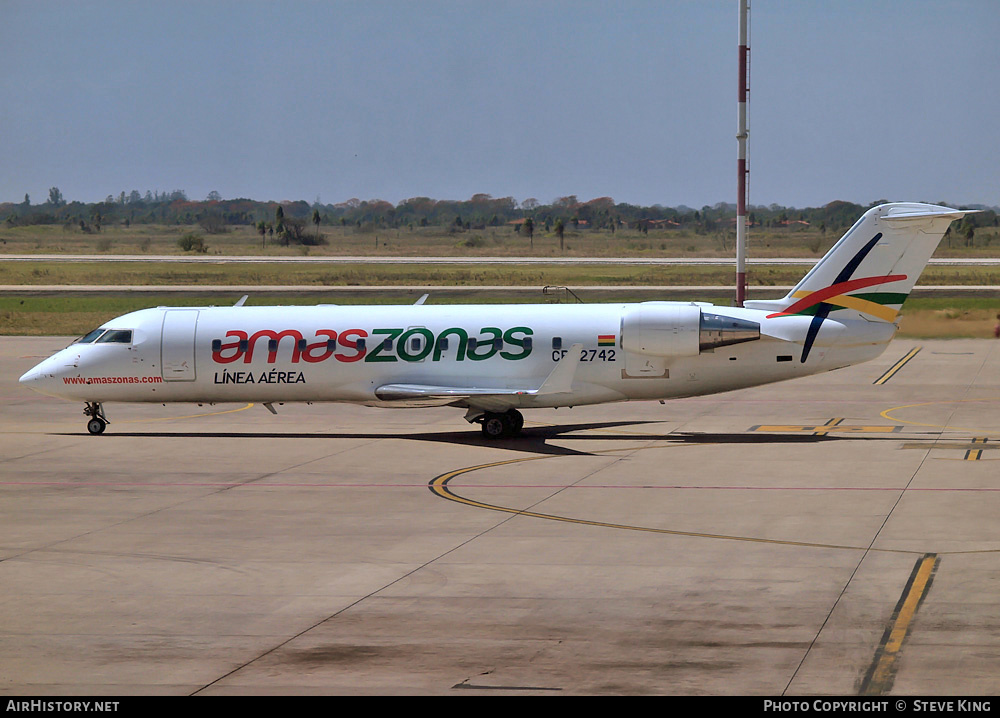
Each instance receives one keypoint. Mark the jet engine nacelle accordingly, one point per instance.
(682, 330)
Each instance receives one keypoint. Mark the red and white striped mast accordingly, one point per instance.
(741, 162)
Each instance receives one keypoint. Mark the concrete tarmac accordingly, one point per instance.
(833, 535)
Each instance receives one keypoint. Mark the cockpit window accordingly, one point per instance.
(116, 336)
(89, 337)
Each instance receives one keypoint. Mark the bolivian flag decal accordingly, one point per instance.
(605, 340)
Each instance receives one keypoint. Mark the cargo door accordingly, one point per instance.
(177, 344)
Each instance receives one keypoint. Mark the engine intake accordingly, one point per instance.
(680, 330)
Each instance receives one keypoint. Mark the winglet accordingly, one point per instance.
(560, 381)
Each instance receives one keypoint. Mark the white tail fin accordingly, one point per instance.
(872, 269)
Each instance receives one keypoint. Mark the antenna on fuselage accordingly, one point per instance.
(242, 300)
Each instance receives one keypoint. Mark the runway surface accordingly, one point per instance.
(834, 535)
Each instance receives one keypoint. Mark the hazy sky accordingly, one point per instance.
(854, 100)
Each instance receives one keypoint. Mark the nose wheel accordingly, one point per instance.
(502, 426)
(98, 421)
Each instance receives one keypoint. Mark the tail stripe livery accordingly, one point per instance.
(902, 237)
(837, 292)
(841, 284)
(873, 304)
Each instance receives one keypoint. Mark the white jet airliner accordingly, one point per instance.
(495, 360)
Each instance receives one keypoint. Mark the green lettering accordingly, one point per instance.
(463, 341)
(490, 343)
(378, 347)
(403, 345)
(524, 342)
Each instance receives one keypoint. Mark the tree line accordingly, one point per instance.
(289, 222)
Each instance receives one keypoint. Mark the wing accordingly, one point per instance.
(559, 381)
(426, 395)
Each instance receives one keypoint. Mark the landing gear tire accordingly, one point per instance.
(517, 421)
(502, 426)
(494, 426)
(98, 421)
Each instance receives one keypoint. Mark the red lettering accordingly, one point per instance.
(352, 344)
(272, 352)
(327, 347)
(217, 355)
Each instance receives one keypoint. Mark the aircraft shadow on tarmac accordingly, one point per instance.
(533, 439)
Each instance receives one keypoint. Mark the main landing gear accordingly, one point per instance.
(98, 421)
(502, 426)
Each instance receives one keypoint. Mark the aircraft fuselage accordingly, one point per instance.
(345, 353)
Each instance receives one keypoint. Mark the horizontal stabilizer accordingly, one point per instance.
(915, 211)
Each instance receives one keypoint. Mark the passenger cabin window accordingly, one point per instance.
(556, 343)
(116, 336)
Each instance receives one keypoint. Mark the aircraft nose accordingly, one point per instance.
(35, 377)
(41, 377)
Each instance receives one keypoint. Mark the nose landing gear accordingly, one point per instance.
(98, 421)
